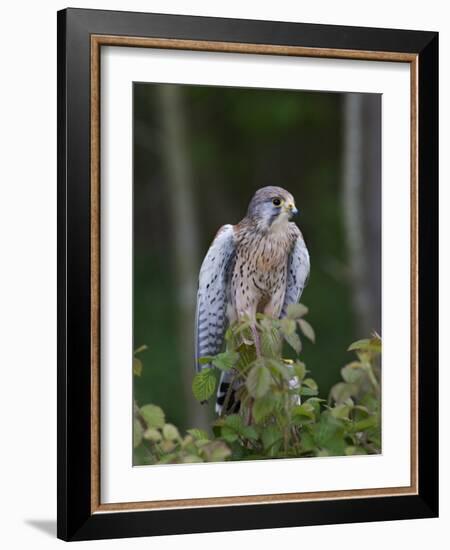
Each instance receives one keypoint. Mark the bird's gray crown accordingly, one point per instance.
(259, 205)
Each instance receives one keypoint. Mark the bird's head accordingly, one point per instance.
(271, 207)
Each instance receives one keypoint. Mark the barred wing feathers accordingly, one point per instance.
(297, 273)
(212, 296)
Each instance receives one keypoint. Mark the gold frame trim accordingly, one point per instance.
(97, 41)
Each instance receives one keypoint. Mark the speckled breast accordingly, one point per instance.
(259, 274)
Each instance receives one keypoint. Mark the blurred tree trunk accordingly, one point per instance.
(184, 229)
(362, 205)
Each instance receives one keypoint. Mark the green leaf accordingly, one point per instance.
(270, 340)
(263, 407)
(258, 381)
(234, 421)
(300, 370)
(167, 446)
(154, 416)
(226, 361)
(307, 330)
(372, 345)
(306, 441)
(242, 326)
(249, 432)
(287, 326)
(271, 437)
(315, 402)
(310, 383)
(247, 356)
(216, 451)
(279, 368)
(202, 442)
(359, 344)
(137, 366)
(327, 429)
(364, 356)
(352, 372)
(170, 458)
(370, 402)
(229, 333)
(234, 426)
(171, 432)
(306, 409)
(336, 445)
(303, 413)
(307, 391)
(205, 360)
(294, 311)
(137, 433)
(360, 412)
(188, 444)
(341, 391)
(204, 384)
(152, 434)
(365, 424)
(228, 434)
(309, 387)
(142, 456)
(266, 323)
(197, 433)
(191, 459)
(294, 341)
(375, 344)
(352, 450)
(340, 411)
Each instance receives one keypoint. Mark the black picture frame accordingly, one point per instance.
(75, 478)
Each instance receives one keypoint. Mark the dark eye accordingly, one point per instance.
(276, 202)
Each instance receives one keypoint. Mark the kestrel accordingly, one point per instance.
(260, 265)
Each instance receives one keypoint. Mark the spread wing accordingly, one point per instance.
(297, 273)
(212, 296)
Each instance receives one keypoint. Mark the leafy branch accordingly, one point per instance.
(281, 413)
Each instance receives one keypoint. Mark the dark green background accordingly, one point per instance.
(233, 142)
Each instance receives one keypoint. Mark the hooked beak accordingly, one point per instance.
(292, 211)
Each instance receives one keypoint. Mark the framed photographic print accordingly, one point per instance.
(247, 274)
